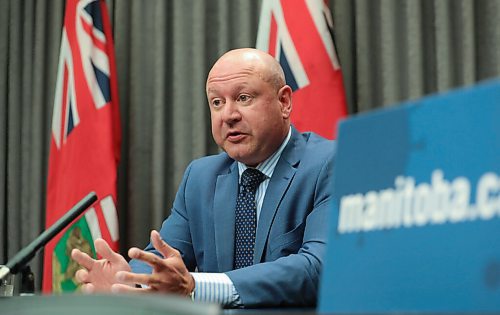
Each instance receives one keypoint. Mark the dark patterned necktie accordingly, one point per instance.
(246, 218)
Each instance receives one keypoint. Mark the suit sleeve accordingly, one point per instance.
(293, 279)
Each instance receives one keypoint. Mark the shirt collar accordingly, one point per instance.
(267, 167)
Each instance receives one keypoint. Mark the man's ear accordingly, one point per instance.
(285, 99)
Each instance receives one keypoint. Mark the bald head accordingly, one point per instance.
(250, 105)
(254, 60)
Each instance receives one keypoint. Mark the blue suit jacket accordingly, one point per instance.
(291, 232)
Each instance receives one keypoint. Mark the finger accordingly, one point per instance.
(149, 258)
(125, 277)
(123, 288)
(82, 258)
(106, 252)
(161, 246)
(88, 288)
(82, 276)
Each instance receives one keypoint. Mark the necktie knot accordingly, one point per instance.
(251, 179)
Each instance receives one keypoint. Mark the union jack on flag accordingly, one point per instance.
(298, 33)
(85, 142)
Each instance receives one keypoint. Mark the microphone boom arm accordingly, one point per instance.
(27, 253)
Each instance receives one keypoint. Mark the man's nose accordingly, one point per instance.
(231, 112)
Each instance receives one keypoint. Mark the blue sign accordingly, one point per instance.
(416, 218)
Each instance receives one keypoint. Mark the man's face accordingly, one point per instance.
(249, 115)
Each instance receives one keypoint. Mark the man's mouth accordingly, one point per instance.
(235, 136)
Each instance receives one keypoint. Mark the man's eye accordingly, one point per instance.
(244, 98)
(216, 103)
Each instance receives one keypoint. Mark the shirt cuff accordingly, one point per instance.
(215, 288)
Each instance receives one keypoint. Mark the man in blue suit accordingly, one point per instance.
(212, 246)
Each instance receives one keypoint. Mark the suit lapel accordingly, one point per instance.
(280, 181)
(226, 190)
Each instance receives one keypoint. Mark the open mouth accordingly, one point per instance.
(235, 136)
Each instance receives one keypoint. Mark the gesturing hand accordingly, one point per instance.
(169, 273)
(99, 275)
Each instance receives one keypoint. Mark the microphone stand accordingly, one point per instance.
(17, 262)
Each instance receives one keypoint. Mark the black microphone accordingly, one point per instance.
(26, 254)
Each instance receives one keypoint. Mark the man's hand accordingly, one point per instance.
(99, 275)
(169, 274)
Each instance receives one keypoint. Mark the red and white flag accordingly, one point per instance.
(298, 33)
(85, 141)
